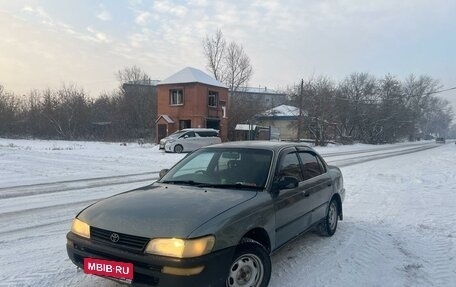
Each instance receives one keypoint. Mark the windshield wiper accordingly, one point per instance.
(237, 185)
(186, 182)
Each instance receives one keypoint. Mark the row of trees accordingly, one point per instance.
(69, 113)
(359, 108)
(370, 110)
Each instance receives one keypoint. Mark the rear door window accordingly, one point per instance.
(207, 134)
(187, 135)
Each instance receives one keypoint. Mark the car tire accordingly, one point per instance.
(178, 148)
(251, 266)
(329, 225)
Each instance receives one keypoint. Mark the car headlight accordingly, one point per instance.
(181, 248)
(80, 228)
(170, 141)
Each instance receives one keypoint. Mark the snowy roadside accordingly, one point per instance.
(398, 227)
(25, 162)
(37, 161)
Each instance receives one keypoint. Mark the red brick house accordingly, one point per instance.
(191, 99)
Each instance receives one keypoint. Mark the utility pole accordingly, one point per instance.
(300, 110)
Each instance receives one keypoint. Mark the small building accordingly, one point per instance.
(284, 118)
(246, 102)
(191, 99)
(245, 132)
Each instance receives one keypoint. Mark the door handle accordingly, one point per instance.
(306, 194)
(329, 184)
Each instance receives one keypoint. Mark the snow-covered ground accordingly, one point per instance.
(24, 162)
(398, 229)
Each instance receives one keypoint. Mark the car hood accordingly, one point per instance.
(162, 210)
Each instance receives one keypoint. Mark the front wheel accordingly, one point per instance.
(251, 266)
(329, 225)
(178, 148)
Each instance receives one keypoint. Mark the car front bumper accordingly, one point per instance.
(148, 268)
(168, 148)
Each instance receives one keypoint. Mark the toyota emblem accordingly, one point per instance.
(114, 237)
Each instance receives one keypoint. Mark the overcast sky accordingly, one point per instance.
(49, 42)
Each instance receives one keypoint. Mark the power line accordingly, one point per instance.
(378, 100)
(441, 91)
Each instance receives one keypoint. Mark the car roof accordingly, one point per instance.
(199, 130)
(269, 145)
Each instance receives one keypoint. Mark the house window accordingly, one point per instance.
(212, 99)
(176, 97)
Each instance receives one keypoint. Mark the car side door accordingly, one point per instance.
(203, 139)
(188, 141)
(318, 182)
(291, 202)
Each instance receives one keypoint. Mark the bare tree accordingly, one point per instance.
(133, 74)
(418, 94)
(138, 102)
(390, 117)
(437, 117)
(238, 69)
(9, 111)
(229, 64)
(214, 49)
(67, 111)
(316, 98)
(354, 94)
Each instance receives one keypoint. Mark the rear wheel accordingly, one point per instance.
(329, 225)
(178, 148)
(251, 266)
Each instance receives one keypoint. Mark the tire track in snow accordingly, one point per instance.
(443, 271)
(334, 154)
(366, 158)
(68, 185)
(339, 260)
(368, 247)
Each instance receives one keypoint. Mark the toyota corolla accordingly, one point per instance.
(211, 220)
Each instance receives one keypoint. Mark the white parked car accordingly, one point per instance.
(188, 140)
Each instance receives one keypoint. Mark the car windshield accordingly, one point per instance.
(222, 168)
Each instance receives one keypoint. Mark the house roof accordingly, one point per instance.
(281, 111)
(167, 118)
(191, 75)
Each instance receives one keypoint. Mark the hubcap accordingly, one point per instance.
(332, 216)
(246, 271)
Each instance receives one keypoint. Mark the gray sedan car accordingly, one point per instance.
(213, 219)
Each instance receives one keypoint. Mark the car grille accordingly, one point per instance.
(130, 242)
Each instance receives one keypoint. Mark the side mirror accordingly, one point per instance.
(285, 182)
(162, 173)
